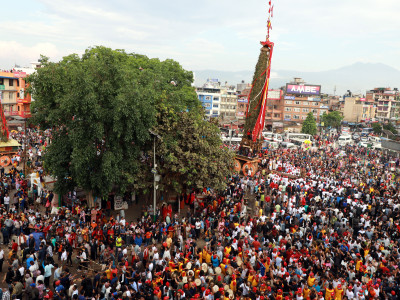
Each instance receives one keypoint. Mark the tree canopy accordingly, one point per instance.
(309, 125)
(332, 119)
(100, 108)
(189, 153)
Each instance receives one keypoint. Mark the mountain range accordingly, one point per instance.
(358, 78)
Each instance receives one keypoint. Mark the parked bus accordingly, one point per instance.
(270, 136)
(298, 137)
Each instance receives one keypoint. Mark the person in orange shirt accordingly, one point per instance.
(279, 296)
(358, 262)
(306, 292)
(339, 292)
(311, 280)
(328, 292)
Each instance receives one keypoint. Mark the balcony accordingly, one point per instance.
(23, 101)
(22, 114)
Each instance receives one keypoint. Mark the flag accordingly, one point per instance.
(272, 11)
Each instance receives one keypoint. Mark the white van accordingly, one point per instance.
(270, 136)
(374, 139)
(345, 140)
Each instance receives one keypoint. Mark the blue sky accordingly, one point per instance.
(309, 35)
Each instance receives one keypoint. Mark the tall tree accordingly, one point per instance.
(309, 125)
(189, 153)
(101, 107)
(332, 119)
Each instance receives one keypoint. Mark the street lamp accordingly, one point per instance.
(154, 171)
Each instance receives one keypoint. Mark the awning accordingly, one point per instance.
(8, 77)
(10, 143)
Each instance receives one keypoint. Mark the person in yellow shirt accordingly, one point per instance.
(311, 279)
(328, 293)
(339, 292)
(306, 292)
(358, 262)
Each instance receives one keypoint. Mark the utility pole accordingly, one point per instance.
(25, 151)
(155, 174)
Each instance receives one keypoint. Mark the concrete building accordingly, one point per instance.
(299, 99)
(387, 102)
(210, 97)
(16, 102)
(358, 109)
(228, 103)
(274, 110)
(242, 103)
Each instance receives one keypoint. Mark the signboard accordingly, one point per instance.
(119, 203)
(277, 124)
(362, 99)
(19, 74)
(2, 87)
(303, 89)
(242, 100)
(274, 94)
(290, 97)
(240, 113)
(287, 119)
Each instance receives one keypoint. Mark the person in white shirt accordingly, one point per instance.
(1, 260)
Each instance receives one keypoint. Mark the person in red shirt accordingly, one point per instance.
(14, 247)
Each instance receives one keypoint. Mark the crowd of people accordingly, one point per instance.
(310, 224)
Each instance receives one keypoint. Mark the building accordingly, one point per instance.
(358, 109)
(228, 103)
(16, 102)
(299, 99)
(387, 102)
(210, 95)
(242, 103)
(241, 87)
(274, 110)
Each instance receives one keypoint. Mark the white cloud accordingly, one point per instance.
(209, 34)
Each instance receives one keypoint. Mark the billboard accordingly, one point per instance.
(19, 74)
(303, 89)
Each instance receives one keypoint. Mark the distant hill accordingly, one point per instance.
(358, 77)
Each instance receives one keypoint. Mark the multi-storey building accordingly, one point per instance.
(13, 96)
(210, 97)
(242, 103)
(387, 102)
(228, 103)
(299, 99)
(274, 109)
(358, 109)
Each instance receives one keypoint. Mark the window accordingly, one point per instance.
(296, 117)
(287, 117)
(288, 102)
(11, 82)
(207, 98)
(216, 98)
(296, 109)
(288, 109)
(10, 96)
(276, 116)
(1, 81)
(304, 117)
(297, 102)
(314, 111)
(315, 103)
(305, 103)
(207, 105)
(215, 105)
(17, 82)
(305, 110)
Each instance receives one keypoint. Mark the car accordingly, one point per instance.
(364, 139)
(363, 144)
(356, 136)
(377, 146)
